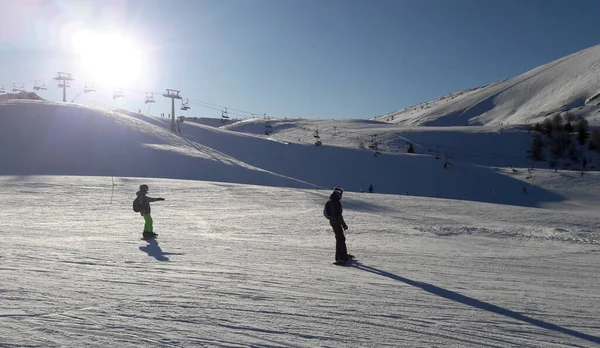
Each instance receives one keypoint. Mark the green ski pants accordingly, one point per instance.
(148, 224)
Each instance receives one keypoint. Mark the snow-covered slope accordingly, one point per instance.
(250, 266)
(571, 82)
(55, 139)
(500, 146)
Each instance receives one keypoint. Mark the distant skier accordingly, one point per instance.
(333, 212)
(143, 205)
(524, 189)
(371, 188)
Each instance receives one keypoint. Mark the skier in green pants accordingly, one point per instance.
(144, 207)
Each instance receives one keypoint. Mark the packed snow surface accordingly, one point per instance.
(251, 266)
(477, 254)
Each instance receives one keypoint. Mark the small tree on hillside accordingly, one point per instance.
(411, 149)
(569, 117)
(568, 127)
(547, 125)
(537, 147)
(582, 134)
(537, 127)
(595, 141)
(557, 122)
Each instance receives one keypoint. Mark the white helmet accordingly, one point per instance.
(338, 190)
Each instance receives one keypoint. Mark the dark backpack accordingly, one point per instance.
(327, 210)
(136, 205)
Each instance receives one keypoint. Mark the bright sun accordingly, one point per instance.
(108, 58)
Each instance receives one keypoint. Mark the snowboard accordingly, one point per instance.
(345, 263)
(149, 237)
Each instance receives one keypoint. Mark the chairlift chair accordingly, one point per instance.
(37, 86)
(89, 88)
(118, 93)
(184, 105)
(149, 98)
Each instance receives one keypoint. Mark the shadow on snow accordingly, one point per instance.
(154, 250)
(454, 296)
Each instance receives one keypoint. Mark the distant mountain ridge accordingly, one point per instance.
(20, 95)
(571, 82)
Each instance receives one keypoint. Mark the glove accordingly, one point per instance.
(345, 227)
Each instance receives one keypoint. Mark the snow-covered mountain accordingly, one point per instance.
(572, 82)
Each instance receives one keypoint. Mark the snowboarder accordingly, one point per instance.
(333, 212)
(371, 188)
(144, 207)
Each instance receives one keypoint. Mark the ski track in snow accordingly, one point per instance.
(250, 266)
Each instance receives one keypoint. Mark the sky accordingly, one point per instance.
(283, 58)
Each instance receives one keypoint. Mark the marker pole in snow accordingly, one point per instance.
(112, 191)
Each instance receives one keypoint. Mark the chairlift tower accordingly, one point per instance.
(173, 94)
(63, 81)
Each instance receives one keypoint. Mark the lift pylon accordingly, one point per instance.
(173, 94)
(63, 82)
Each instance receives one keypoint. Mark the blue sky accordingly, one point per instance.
(293, 58)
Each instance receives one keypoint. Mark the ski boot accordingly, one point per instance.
(149, 235)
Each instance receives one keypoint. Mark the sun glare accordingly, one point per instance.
(108, 58)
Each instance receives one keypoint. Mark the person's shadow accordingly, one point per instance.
(454, 296)
(152, 249)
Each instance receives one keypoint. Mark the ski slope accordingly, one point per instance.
(244, 256)
(250, 266)
(81, 140)
(569, 83)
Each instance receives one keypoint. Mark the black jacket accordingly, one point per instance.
(336, 210)
(145, 202)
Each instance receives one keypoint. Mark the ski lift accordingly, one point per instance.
(62, 84)
(18, 89)
(2, 90)
(118, 93)
(89, 88)
(184, 105)
(37, 86)
(224, 114)
(149, 98)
